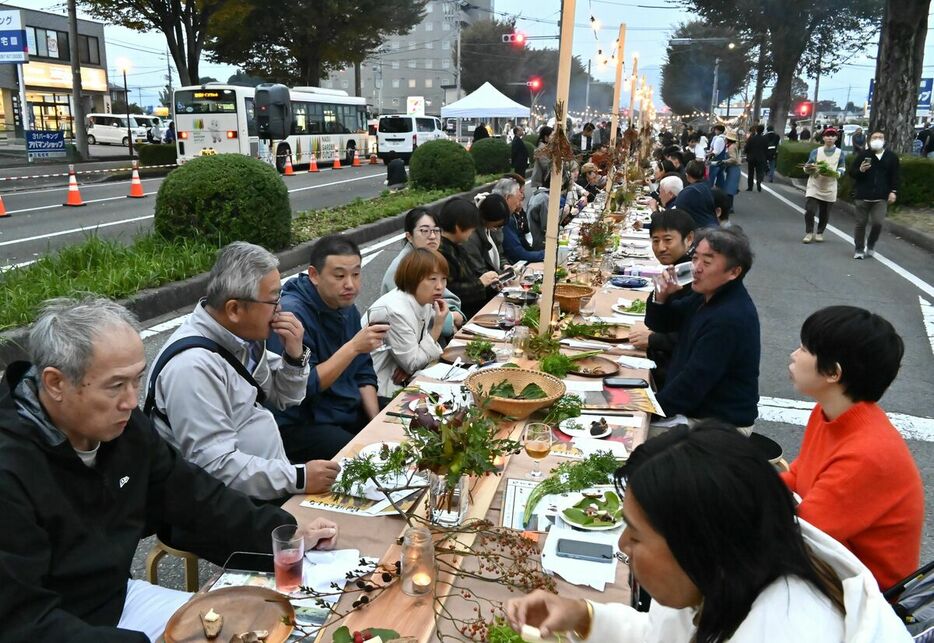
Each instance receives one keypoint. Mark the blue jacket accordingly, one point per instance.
(697, 200)
(326, 330)
(515, 246)
(714, 370)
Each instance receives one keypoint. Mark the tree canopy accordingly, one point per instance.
(298, 42)
(687, 73)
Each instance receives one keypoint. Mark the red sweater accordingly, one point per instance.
(859, 484)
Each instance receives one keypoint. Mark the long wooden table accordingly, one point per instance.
(377, 536)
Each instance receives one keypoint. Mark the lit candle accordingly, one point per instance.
(421, 582)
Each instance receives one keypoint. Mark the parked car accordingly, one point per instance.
(112, 129)
(401, 134)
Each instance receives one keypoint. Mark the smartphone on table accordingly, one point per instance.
(580, 550)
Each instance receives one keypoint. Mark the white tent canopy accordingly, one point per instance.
(485, 102)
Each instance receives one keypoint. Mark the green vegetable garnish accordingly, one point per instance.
(479, 350)
(595, 470)
(602, 511)
(559, 365)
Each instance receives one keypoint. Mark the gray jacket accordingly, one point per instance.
(215, 420)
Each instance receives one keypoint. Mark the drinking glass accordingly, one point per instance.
(588, 309)
(520, 338)
(527, 281)
(378, 315)
(507, 316)
(288, 551)
(537, 442)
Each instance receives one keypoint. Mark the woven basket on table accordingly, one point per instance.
(569, 296)
(519, 378)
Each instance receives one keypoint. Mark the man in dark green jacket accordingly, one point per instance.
(84, 477)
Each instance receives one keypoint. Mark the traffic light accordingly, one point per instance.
(516, 38)
(534, 83)
(804, 108)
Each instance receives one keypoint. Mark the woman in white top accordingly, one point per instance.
(711, 534)
(416, 311)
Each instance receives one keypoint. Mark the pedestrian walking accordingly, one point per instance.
(824, 167)
(793, 132)
(756, 148)
(518, 153)
(772, 141)
(876, 182)
(717, 156)
(858, 141)
(730, 166)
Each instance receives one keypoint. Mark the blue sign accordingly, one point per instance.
(925, 90)
(13, 47)
(42, 144)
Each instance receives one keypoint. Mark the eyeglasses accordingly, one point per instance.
(274, 302)
(425, 231)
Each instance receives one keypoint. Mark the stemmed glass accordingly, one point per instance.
(588, 309)
(537, 442)
(378, 315)
(507, 316)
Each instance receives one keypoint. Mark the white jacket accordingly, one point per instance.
(411, 346)
(789, 609)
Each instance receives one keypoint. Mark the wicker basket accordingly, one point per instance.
(569, 296)
(519, 378)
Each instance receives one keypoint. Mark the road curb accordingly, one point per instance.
(152, 303)
(917, 237)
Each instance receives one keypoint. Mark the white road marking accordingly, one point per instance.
(888, 263)
(367, 259)
(83, 186)
(776, 409)
(382, 244)
(927, 312)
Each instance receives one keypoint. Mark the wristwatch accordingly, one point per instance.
(300, 362)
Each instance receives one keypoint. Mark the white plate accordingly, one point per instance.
(374, 449)
(622, 311)
(448, 404)
(574, 498)
(585, 421)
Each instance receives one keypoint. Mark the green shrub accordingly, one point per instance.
(531, 139)
(157, 154)
(790, 156)
(229, 197)
(442, 164)
(917, 181)
(490, 155)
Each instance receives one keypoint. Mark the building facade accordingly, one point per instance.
(419, 63)
(47, 75)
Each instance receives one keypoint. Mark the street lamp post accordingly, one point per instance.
(714, 97)
(123, 64)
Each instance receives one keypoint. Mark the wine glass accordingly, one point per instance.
(507, 316)
(537, 442)
(527, 281)
(378, 315)
(588, 309)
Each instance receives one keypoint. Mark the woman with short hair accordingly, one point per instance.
(416, 312)
(711, 534)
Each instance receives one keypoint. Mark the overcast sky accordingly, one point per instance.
(649, 25)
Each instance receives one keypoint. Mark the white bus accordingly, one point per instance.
(222, 119)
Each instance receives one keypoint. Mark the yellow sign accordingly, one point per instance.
(59, 76)
(208, 95)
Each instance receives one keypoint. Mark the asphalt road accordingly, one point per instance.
(788, 281)
(39, 223)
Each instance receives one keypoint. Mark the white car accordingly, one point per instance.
(112, 129)
(401, 134)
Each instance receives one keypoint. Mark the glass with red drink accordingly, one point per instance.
(288, 551)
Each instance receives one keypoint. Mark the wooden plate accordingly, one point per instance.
(608, 366)
(451, 353)
(621, 336)
(243, 609)
(487, 320)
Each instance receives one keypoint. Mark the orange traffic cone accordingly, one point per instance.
(314, 165)
(74, 196)
(373, 159)
(136, 186)
(288, 165)
(337, 160)
(356, 159)
(3, 212)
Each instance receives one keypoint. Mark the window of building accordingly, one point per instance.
(411, 64)
(429, 8)
(89, 50)
(429, 63)
(412, 45)
(429, 26)
(395, 83)
(445, 44)
(395, 64)
(445, 26)
(345, 84)
(395, 45)
(411, 83)
(428, 82)
(429, 45)
(445, 63)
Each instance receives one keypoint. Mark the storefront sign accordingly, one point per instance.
(13, 47)
(45, 145)
(59, 77)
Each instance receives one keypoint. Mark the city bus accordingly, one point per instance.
(221, 119)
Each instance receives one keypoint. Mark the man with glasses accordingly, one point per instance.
(340, 387)
(207, 399)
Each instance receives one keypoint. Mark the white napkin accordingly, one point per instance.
(589, 446)
(583, 386)
(580, 572)
(444, 371)
(635, 362)
(622, 320)
(492, 333)
(321, 568)
(587, 345)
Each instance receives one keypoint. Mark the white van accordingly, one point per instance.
(401, 134)
(112, 129)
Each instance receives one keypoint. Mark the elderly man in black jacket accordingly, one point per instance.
(876, 178)
(84, 477)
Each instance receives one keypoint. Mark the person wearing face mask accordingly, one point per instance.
(821, 192)
(876, 181)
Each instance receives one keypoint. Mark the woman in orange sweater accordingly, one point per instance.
(855, 475)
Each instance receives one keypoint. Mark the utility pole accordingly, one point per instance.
(78, 124)
(714, 94)
(820, 50)
(452, 10)
(587, 93)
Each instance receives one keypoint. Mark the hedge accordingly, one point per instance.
(157, 154)
(442, 164)
(490, 155)
(917, 174)
(230, 197)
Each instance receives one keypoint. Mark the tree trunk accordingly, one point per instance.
(788, 44)
(357, 79)
(898, 71)
(760, 83)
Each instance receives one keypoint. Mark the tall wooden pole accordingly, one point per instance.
(617, 89)
(554, 192)
(632, 89)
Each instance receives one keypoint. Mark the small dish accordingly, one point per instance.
(579, 427)
(629, 282)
